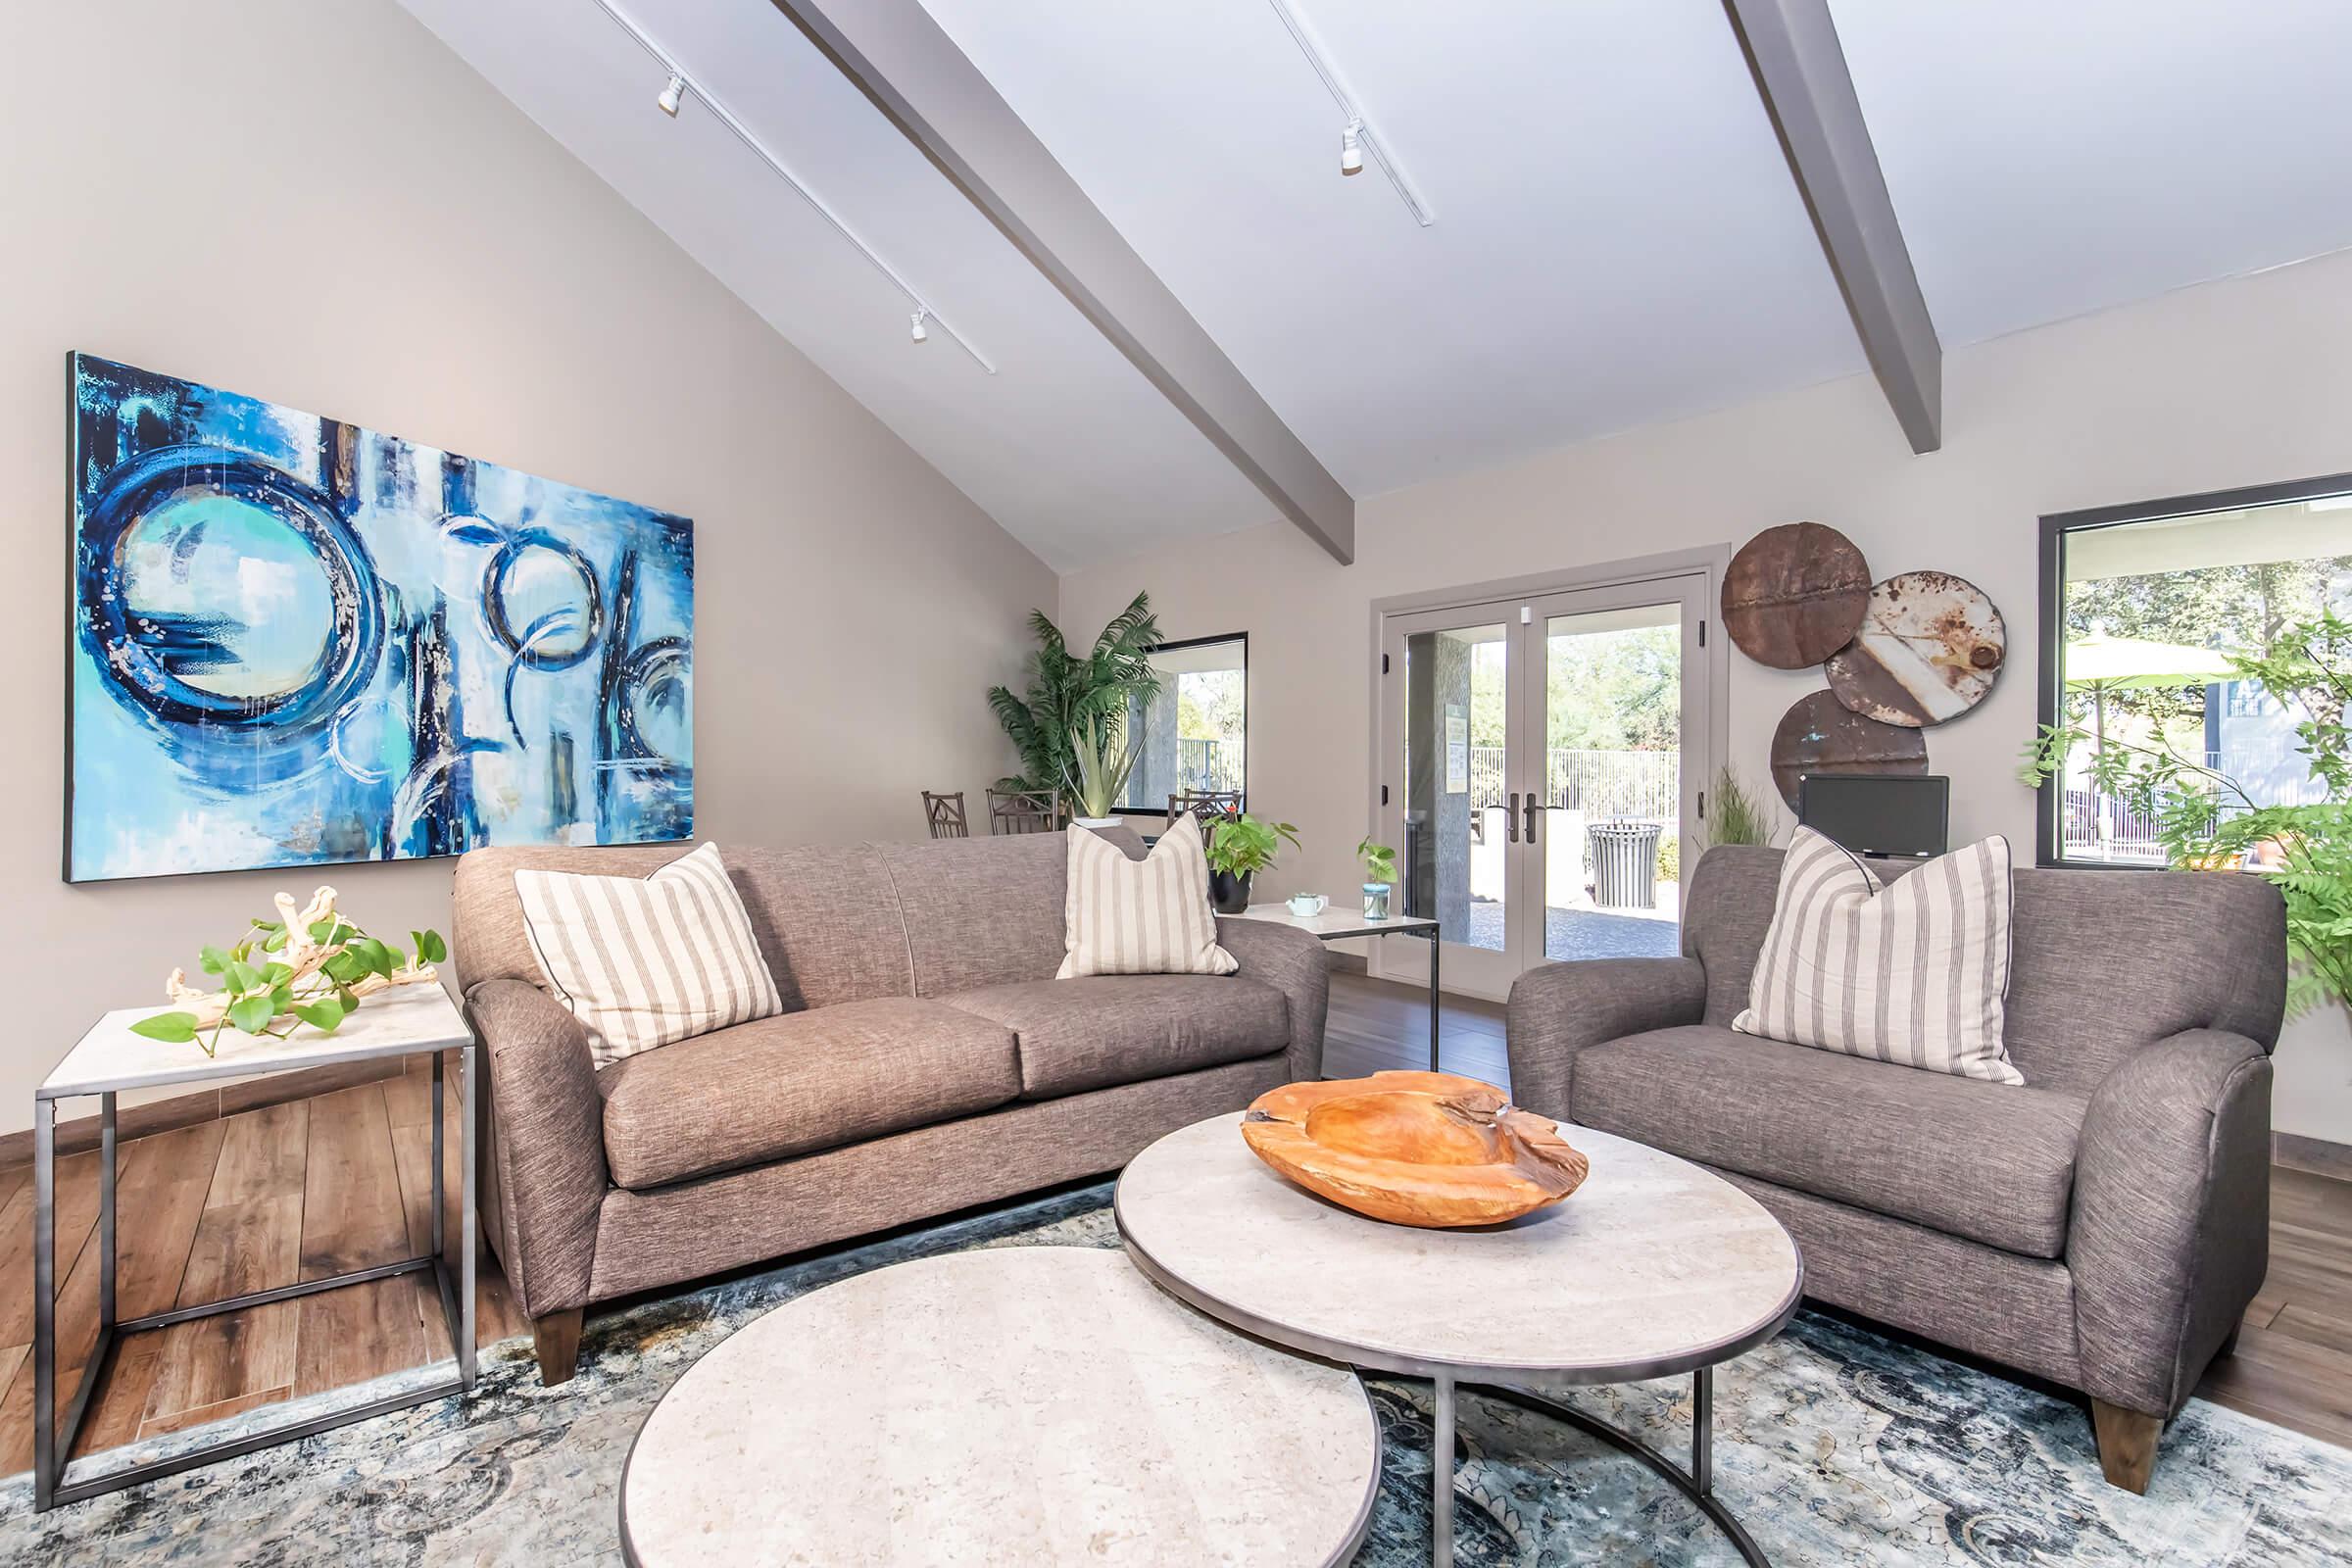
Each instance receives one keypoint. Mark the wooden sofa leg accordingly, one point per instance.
(2127, 1443)
(556, 1339)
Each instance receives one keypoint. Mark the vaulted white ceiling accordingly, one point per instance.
(1617, 240)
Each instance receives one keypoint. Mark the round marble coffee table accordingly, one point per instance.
(1018, 1406)
(1652, 1268)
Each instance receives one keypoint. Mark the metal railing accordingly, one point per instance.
(1206, 765)
(1644, 785)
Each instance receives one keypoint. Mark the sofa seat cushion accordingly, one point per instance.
(1991, 1163)
(797, 1083)
(1101, 1030)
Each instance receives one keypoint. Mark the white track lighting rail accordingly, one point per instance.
(681, 83)
(1357, 139)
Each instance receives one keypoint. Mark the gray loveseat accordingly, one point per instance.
(927, 1061)
(2103, 1226)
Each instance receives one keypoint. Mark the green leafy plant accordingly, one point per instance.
(1102, 755)
(1244, 845)
(1379, 861)
(311, 966)
(2206, 821)
(1735, 816)
(1063, 688)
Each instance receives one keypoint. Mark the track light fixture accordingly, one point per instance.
(673, 98)
(1361, 142)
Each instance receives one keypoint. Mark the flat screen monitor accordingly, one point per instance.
(1899, 816)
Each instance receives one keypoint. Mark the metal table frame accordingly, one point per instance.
(53, 1440)
(1507, 1383)
(1396, 925)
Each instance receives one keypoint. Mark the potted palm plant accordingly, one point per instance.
(1380, 877)
(1102, 755)
(1064, 687)
(1238, 848)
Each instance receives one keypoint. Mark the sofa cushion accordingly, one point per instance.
(985, 911)
(1100, 1030)
(796, 1083)
(1991, 1163)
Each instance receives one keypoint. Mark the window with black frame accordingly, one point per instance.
(2191, 658)
(1193, 737)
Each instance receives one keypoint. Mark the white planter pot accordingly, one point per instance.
(1094, 821)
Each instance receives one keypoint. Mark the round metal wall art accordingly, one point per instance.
(1794, 595)
(1930, 648)
(1819, 734)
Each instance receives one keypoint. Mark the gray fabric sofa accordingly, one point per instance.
(2103, 1226)
(927, 1061)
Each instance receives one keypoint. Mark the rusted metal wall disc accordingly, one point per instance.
(1795, 595)
(1930, 648)
(1819, 734)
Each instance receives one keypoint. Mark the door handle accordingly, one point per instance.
(1510, 818)
(1530, 817)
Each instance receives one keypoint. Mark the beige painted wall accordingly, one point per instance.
(2232, 384)
(319, 204)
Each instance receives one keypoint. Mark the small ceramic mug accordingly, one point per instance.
(1306, 905)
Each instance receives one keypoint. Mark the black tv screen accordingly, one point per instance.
(1901, 816)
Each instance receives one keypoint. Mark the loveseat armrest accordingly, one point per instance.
(547, 1143)
(1294, 963)
(2169, 1233)
(1558, 1010)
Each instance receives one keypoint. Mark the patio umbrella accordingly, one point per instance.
(2099, 663)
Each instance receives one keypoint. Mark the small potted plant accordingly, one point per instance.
(1238, 848)
(1380, 877)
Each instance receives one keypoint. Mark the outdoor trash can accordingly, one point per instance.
(1625, 863)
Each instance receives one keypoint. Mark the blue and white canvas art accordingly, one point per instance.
(297, 642)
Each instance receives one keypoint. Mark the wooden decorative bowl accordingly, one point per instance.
(1424, 1149)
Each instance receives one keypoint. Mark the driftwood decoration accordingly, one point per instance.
(1794, 595)
(311, 965)
(1425, 1149)
(1819, 734)
(1930, 648)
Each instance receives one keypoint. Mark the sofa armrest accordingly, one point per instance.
(1557, 1009)
(1295, 964)
(547, 1168)
(2169, 1233)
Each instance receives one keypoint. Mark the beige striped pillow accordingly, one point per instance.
(1148, 916)
(645, 962)
(1914, 973)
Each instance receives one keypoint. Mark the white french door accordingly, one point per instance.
(1541, 765)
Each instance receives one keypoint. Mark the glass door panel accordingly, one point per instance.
(1612, 782)
(1450, 750)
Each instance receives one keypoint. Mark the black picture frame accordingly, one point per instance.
(2056, 528)
(1171, 645)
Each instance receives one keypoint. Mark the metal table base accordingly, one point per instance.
(1696, 1482)
(53, 1440)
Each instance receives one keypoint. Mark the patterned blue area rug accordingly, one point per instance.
(1832, 1445)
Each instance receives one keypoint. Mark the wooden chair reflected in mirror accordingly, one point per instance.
(1024, 811)
(945, 814)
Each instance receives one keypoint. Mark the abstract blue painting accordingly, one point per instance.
(297, 642)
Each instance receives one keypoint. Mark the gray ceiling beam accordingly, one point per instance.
(1793, 51)
(915, 75)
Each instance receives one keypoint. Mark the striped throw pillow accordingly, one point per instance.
(1148, 916)
(645, 962)
(1915, 972)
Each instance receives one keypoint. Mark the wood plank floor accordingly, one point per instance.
(2293, 1365)
(264, 1197)
(342, 1180)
